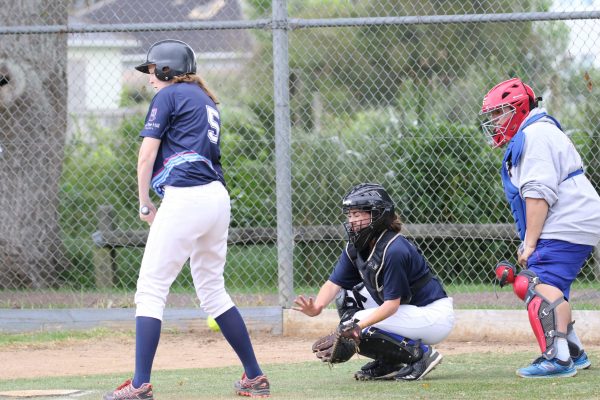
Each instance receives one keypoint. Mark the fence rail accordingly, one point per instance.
(315, 97)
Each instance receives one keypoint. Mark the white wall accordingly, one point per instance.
(95, 78)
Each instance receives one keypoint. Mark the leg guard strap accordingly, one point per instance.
(574, 350)
(389, 348)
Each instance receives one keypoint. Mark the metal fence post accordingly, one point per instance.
(285, 239)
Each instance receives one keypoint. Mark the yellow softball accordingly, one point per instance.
(212, 324)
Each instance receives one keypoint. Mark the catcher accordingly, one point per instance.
(392, 308)
(557, 214)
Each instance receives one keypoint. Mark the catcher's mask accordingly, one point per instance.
(504, 108)
(372, 198)
(171, 57)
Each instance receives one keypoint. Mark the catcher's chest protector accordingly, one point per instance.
(347, 305)
(371, 269)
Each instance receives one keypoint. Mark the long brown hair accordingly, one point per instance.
(193, 78)
(396, 224)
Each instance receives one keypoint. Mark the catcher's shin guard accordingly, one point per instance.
(389, 348)
(541, 312)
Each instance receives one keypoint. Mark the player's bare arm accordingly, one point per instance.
(387, 309)
(146, 158)
(536, 211)
(313, 307)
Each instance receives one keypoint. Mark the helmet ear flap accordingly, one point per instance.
(163, 72)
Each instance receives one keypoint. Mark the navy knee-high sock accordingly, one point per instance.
(234, 329)
(147, 334)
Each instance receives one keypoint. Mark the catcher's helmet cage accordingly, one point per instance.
(518, 99)
(171, 57)
(373, 198)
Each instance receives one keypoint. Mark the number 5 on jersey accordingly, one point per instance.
(214, 120)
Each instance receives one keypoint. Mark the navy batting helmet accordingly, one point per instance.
(373, 198)
(171, 58)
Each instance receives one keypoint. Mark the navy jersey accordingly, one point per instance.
(188, 124)
(403, 265)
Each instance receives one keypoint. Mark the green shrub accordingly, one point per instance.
(433, 172)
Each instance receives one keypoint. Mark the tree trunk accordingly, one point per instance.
(33, 101)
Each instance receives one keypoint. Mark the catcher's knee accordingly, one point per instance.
(523, 283)
(390, 348)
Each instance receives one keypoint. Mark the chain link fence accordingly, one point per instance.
(315, 96)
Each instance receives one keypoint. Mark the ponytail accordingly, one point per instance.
(396, 224)
(193, 78)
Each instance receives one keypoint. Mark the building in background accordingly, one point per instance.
(94, 72)
(102, 81)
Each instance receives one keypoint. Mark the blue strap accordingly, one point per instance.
(515, 146)
(574, 173)
(513, 153)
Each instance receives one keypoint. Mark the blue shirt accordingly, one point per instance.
(403, 265)
(188, 124)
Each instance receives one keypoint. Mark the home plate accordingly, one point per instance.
(27, 394)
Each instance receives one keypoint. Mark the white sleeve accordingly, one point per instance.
(539, 168)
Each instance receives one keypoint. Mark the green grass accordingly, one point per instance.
(46, 337)
(466, 376)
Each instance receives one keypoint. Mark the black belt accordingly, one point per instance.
(421, 282)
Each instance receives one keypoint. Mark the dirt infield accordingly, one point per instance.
(193, 349)
(198, 347)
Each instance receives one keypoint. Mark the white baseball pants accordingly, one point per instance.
(431, 323)
(191, 223)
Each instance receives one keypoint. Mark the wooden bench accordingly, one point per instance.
(108, 238)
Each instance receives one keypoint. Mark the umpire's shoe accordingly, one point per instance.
(581, 361)
(542, 368)
(417, 370)
(127, 392)
(377, 370)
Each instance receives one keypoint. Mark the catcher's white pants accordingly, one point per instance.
(191, 222)
(431, 323)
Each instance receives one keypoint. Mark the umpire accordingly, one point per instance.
(385, 292)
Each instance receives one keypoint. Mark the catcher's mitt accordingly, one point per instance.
(339, 346)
